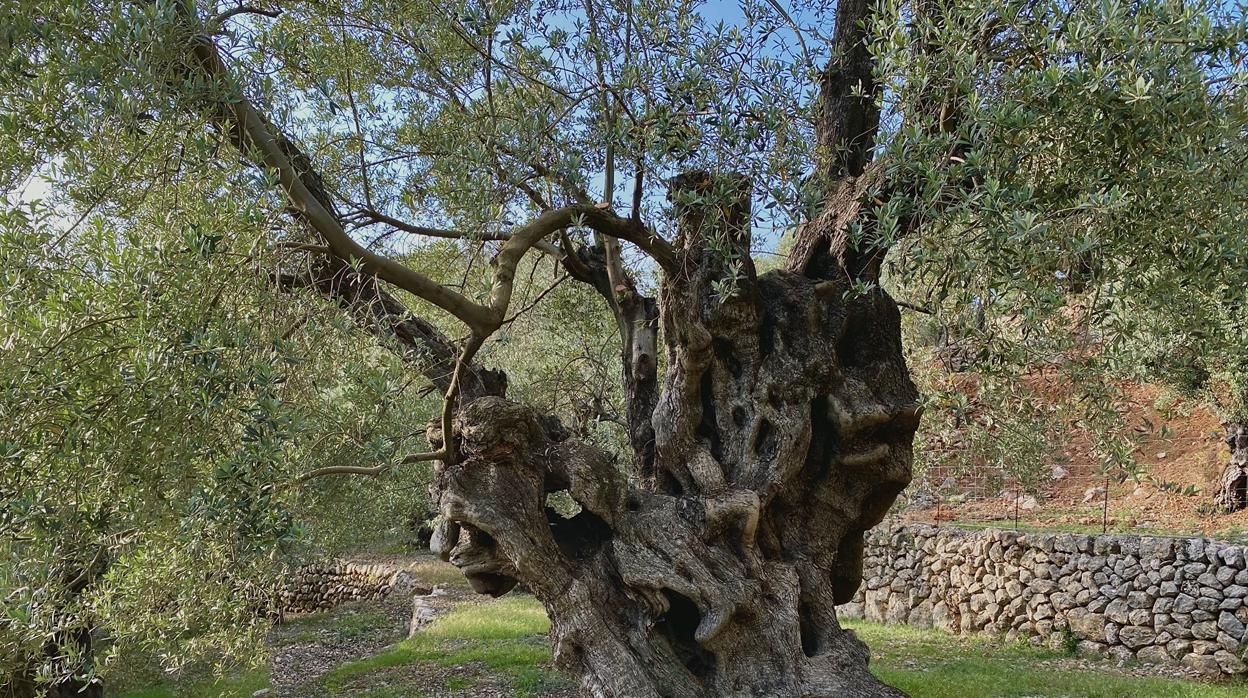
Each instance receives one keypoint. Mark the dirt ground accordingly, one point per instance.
(1179, 444)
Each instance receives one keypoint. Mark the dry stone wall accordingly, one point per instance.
(1155, 600)
(321, 586)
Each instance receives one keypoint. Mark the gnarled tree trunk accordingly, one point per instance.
(1232, 494)
(783, 431)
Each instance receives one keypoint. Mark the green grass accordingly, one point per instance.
(505, 638)
(432, 571)
(934, 664)
(1119, 525)
(506, 619)
(403, 690)
(236, 686)
(1233, 534)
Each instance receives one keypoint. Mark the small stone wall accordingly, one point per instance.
(1155, 600)
(322, 586)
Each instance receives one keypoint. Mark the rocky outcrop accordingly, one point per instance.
(1154, 600)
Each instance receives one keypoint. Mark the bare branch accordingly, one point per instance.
(914, 307)
(371, 471)
(375, 216)
(303, 247)
(540, 296)
(359, 132)
(797, 31)
(577, 192)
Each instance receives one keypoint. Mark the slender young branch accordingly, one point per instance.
(303, 247)
(578, 193)
(447, 453)
(797, 31)
(359, 132)
(555, 284)
(368, 213)
(371, 471)
(608, 117)
(463, 35)
(914, 307)
(450, 450)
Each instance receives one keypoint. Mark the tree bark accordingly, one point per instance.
(1232, 494)
(782, 432)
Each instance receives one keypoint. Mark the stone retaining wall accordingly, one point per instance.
(1151, 599)
(322, 586)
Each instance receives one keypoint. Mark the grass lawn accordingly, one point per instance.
(241, 685)
(934, 664)
(503, 642)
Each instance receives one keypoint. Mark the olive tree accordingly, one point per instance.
(155, 395)
(647, 148)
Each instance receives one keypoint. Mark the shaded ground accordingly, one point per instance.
(475, 647)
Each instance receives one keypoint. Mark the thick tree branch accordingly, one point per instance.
(550, 222)
(847, 126)
(384, 316)
(257, 137)
(848, 113)
(236, 115)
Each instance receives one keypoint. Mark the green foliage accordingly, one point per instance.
(1077, 171)
(154, 409)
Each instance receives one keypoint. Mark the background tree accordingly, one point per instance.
(156, 394)
(641, 146)
(1105, 238)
